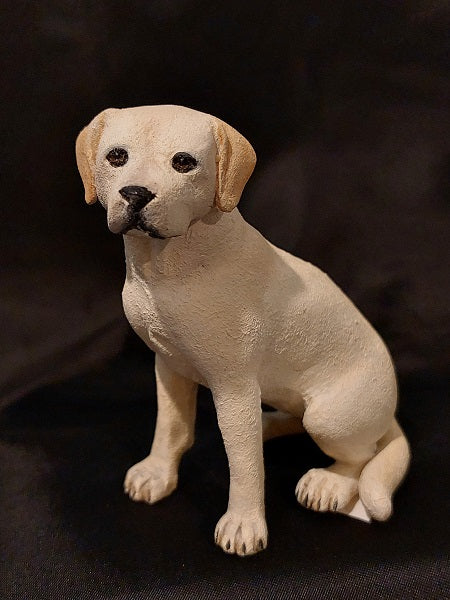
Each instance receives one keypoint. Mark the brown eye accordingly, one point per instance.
(183, 162)
(117, 157)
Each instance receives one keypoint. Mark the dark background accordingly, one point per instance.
(347, 106)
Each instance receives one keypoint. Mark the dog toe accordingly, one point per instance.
(322, 490)
(241, 534)
(149, 481)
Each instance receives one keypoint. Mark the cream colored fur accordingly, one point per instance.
(223, 307)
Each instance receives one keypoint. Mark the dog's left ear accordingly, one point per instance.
(86, 151)
(236, 160)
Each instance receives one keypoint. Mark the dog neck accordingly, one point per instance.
(216, 238)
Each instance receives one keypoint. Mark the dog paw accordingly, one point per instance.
(323, 490)
(150, 480)
(241, 533)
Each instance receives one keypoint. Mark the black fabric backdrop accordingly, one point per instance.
(346, 104)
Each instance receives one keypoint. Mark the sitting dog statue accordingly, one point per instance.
(222, 307)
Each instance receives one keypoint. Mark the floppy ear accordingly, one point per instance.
(86, 151)
(236, 160)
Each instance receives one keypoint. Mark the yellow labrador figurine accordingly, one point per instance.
(223, 307)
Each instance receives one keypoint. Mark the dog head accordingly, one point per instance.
(157, 169)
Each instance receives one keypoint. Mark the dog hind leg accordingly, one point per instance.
(346, 423)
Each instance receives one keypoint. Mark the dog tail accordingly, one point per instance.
(384, 472)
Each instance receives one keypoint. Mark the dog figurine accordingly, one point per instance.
(222, 307)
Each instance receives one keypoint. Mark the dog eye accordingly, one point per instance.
(183, 162)
(117, 157)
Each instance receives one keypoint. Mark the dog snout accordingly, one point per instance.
(136, 196)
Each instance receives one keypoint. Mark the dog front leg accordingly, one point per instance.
(156, 476)
(242, 530)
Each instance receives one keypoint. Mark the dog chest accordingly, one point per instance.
(149, 321)
(143, 315)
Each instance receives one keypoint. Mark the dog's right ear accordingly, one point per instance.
(86, 151)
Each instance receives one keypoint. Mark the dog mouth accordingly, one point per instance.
(138, 224)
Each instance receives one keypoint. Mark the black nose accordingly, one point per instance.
(136, 196)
